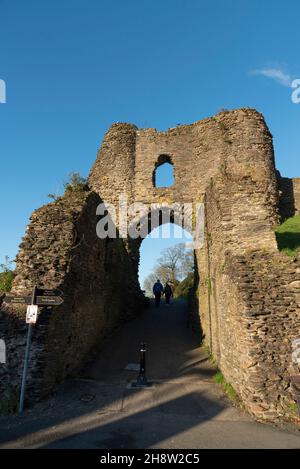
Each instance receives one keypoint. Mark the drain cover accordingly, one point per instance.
(87, 397)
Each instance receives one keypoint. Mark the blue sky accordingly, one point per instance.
(73, 67)
(159, 239)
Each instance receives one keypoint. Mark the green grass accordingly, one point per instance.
(210, 357)
(293, 407)
(288, 236)
(227, 387)
(219, 379)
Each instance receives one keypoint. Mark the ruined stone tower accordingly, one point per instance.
(246, 296)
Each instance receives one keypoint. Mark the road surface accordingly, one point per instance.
(183, 408)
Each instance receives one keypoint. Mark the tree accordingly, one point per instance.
(187, 263)
(174, 264)
(75, 182)
(6, 275)
(149, 282)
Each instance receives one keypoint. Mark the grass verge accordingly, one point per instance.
(227, 387)
(288, 236)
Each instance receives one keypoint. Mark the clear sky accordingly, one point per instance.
(159, 239)
(73, 67)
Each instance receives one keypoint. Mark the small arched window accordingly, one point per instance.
(163, 174)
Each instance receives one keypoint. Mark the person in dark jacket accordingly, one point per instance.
(168, 292)
(157, 291)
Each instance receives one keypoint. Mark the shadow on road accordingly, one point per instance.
(183, 409)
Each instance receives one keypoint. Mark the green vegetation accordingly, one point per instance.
(293, 407)
(288, 236)
(6, 275)
(209, 285)
(176, 266)
(210, 356)
(75, 183)
(184, 287)
(54, 197)
(219, 378)
(6, 280)
(227, 387)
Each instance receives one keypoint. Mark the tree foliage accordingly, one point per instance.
(6, 275)
(174, 264)
(184, 287)
(75, 183)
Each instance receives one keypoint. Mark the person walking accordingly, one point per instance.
(157, 291)
(168, 293)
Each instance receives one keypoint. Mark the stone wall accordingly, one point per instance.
(61, 250)
(236, 142)
(296, 194)
(228, 162)
(267, 300)
(248, 303)
(249, 299)
(289, 190)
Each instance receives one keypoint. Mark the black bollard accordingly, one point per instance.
(142, 379)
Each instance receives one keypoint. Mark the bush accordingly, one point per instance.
(6, 275)
(227, 387)
(75, 183)
(6, 280)
(183, 288)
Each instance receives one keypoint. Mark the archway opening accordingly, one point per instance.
(163, 174)
(167, 254)
(170, 329)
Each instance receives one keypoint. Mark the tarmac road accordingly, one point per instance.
(183, 408)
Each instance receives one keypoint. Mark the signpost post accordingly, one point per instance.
(39, 297)
(2, 351)
(28, 342)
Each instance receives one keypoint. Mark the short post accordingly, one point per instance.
(142, 379)
(26, 360)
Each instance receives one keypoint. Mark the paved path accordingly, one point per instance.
(183, 409)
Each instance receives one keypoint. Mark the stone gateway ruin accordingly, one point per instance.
(247, 293)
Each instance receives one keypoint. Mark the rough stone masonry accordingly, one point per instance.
(248, 293)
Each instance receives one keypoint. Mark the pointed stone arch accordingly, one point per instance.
(227, 162)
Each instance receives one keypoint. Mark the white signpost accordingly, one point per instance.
(42, 297)
(2, 351)
(31, 315)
